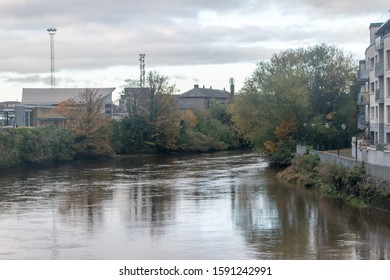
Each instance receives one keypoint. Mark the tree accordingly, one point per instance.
(292, 88)
(151, 116)
(88, 123)
(161, 113)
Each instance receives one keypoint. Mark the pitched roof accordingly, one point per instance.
(43, 96)
(383, 29)
(197, 92)
(136, 90)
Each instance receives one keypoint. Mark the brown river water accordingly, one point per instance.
(212, 206)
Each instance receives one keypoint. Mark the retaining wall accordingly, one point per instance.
(374, 170)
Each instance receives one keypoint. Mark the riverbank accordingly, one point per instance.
(351, 184)
(225, 205)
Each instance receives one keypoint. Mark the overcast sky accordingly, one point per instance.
(98, 43)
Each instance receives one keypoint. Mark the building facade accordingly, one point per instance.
(374, 78)
(200, 98)
(135, 100)
(38, 106)
(374, 99)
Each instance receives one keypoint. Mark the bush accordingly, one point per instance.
(332, 174)
(308, 162)
(35, 145)
(9, 148)
(282, 153)
(193, 141)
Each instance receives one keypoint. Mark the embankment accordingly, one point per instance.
(335, 179)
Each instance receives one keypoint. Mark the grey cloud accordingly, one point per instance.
(180, 77)
(31, 14)
(345, 7)
(100, 34)
(30, 79)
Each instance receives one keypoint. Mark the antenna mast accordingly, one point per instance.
(142, 70)
(52, 32)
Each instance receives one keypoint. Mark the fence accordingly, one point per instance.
(374, 170)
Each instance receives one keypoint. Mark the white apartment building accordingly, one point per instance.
(374, 75)
(374, 98)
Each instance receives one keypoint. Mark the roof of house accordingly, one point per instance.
(383, 29)
(198, 92)
(56, 95)
(135, 90)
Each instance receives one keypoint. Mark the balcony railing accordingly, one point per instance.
(379, 95)
(362, 122)
(363, 98)
(379, 43)
(362, 74)
(379, 69)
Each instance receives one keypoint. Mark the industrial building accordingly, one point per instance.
(38, 106)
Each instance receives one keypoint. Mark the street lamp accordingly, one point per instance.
(305, 134)
(343, 127)
(327, 136)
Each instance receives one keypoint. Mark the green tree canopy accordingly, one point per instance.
(151, 116)
(292, 88)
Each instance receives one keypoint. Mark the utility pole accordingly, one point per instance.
(52, 32)
(142, 70)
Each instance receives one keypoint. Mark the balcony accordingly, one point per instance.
(379, 43)
(363, 98)
(362, 122)
(362, 75)
(379, 95)
(379, 69)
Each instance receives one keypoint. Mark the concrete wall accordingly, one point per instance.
(192, 103)
(197, 102)
(47, 116)
(375, 170)
(370, 154)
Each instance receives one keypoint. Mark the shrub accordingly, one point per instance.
(193, 141)
(332, 174)
(9, 148)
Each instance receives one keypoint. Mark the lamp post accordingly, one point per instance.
(314, 133)
(343, 127)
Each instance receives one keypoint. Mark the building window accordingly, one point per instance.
(372, 112)
(388, 114)
(372, 87)
(372, 63)
(388, 86)
(388, 59)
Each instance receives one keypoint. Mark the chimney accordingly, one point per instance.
(231, 82)
(196, 86)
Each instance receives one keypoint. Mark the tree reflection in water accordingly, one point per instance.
(211, 206)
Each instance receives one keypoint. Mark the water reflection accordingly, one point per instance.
(285, 222)
(221, 206)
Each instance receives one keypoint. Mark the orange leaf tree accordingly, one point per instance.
(88, 123)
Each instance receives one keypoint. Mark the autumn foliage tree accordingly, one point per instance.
(164, 112)
(312, 85)
(151, 117)
(86, 119)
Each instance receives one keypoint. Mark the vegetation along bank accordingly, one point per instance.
(337, 181)
(298, 96)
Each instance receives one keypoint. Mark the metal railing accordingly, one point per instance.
(379, 95)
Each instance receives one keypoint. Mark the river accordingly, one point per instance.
(211, 206)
